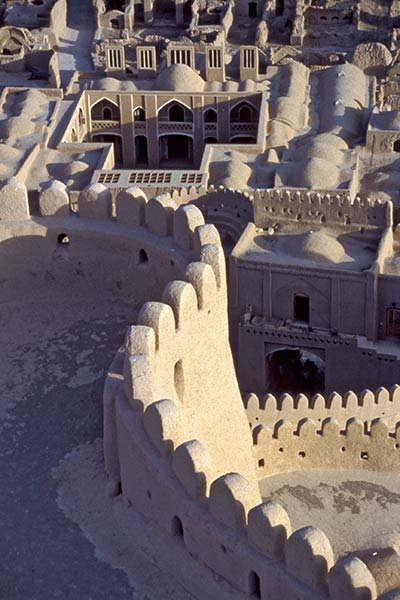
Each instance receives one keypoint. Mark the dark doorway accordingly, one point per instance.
(141, 149)
(252, 10)
(112, 139)
(115, 5)
(164, 7)
(176, 148)
(177, 527)
(228, 243)
(393, 322)
(396, 146)
(114, 23)
(294, 371)
(139, 13)
(254, 585)
(280, 7)
(301, 309)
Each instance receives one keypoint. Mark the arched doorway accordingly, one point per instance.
(210, 116)
(176, 147)
(294, 371)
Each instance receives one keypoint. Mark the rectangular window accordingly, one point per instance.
(301, 308)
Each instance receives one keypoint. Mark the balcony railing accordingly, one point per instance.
(243, 127)
(175, 126)
(100, 125)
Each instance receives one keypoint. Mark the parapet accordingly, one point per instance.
(365, 406)
(271, 206)
(308, 445)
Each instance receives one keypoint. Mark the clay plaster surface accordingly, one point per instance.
(356, 510)
(301, 244)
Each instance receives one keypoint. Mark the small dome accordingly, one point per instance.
(107, 83)
(315, 245)
(319, 150)
(234, 174)
(313, 173)
(179, 78)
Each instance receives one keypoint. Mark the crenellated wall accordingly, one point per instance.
(318, 208)
(308, 445)
(177, 448)
(177, 442)
(365, 406)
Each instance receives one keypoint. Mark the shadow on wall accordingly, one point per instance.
(293, 370)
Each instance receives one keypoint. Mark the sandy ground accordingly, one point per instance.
(61, 535)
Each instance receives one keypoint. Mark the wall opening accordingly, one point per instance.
(116, 141)
(141, 150)
(163, 7)
(301, 308)
(139, 115)
(228, 243)
(177, 527)
(294, 371)
(179, 381)
(280, 7)
(177, 113)
(63, 239)
(139, 13)
(243, 113)
(393, 322)
(210, 116)
(115, 5)
(143, 257)
(254, 585)
(176, 147)
(252, 10)
(107, 114)
(396, 146)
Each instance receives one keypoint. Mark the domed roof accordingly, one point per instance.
(319, 149)
(313, 173)
(315, 245)
(289, 111)
(179, 78)
(233, 173)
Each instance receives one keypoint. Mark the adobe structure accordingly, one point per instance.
(208, 192)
